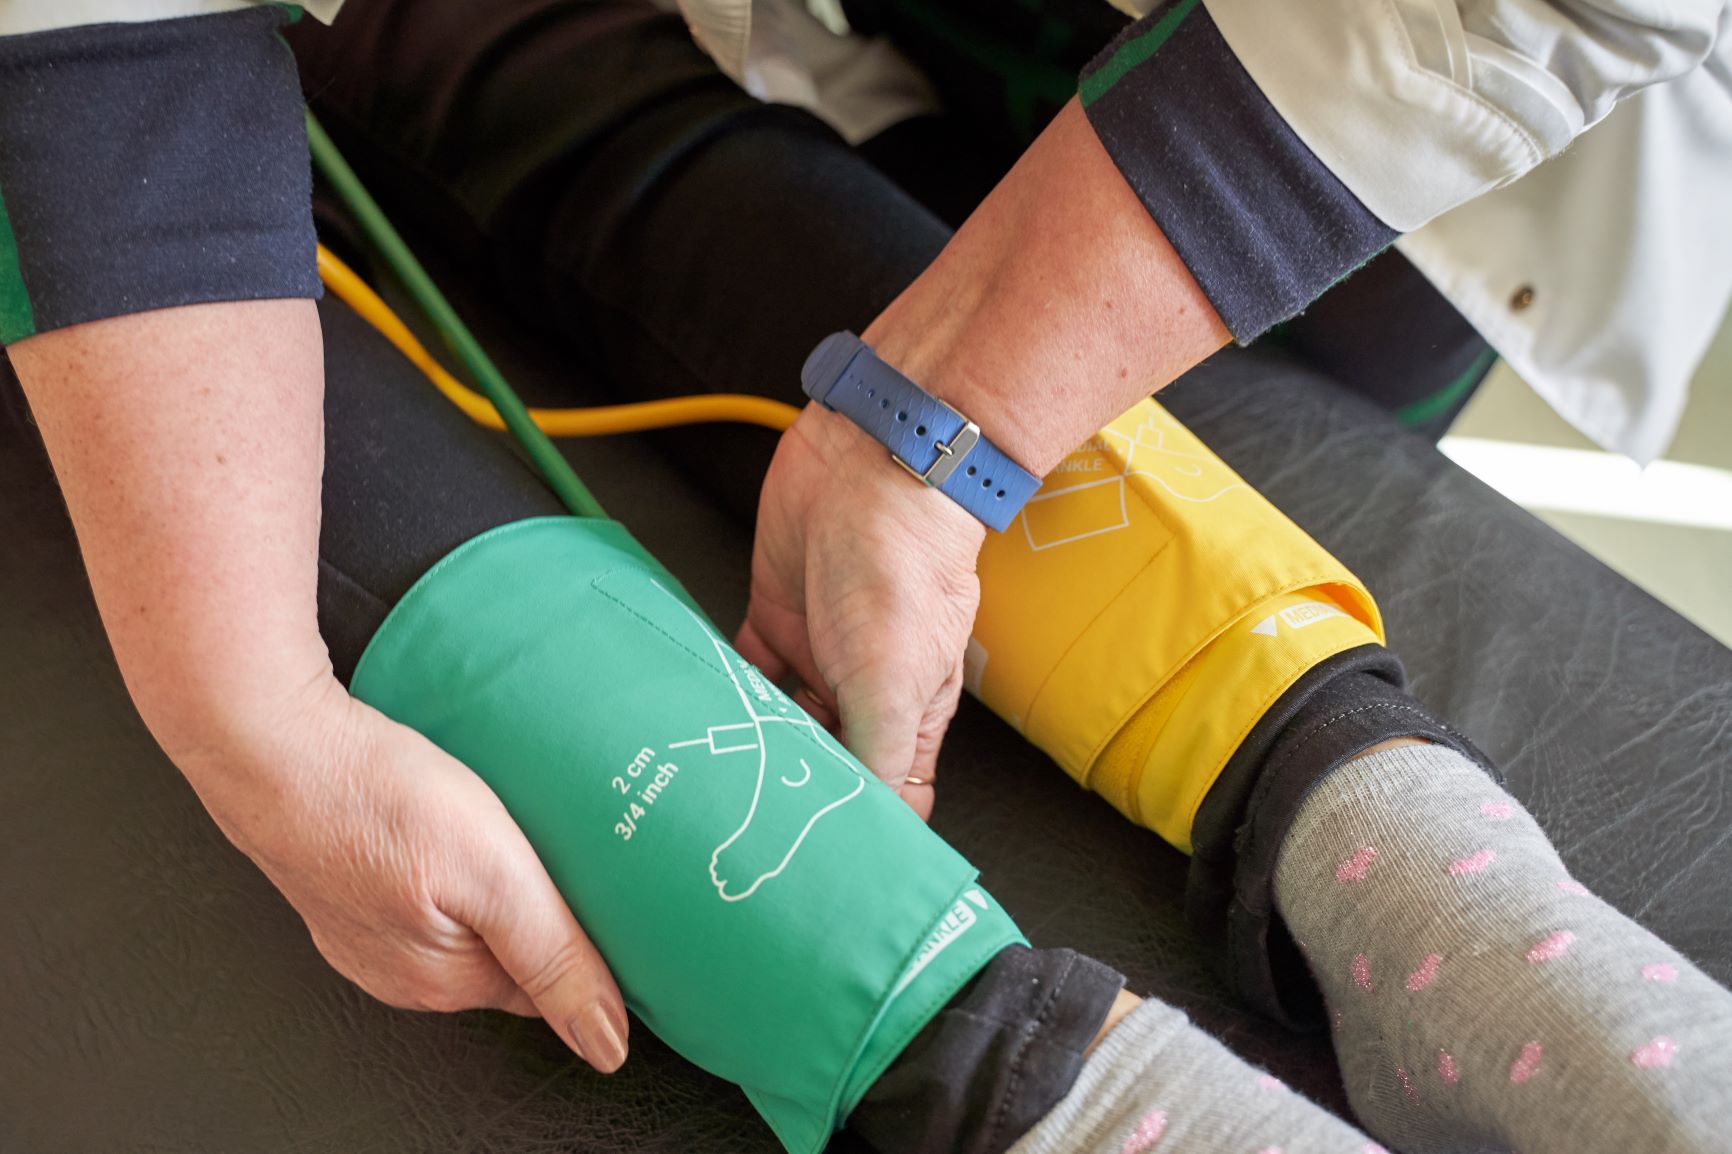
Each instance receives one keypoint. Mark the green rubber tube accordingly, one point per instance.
(554, 468)
(770, 909)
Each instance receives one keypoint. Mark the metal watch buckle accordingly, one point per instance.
(949, 456)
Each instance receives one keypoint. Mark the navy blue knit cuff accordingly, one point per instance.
(149, 165)
(1261, 223)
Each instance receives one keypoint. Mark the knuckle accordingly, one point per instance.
(570, 959)
(444, 997)
(396, 990)
(440, 988)
(411, 963)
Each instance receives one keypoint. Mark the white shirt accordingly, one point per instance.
(21, 16)
(1464, 124)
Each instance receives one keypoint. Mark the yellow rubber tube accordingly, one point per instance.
(598, 421)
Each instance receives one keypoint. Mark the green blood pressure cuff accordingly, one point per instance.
(770, 910)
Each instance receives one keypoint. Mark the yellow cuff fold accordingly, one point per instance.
(1144, 611)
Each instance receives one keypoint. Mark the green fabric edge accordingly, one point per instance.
(17, 314)
(605, 527)
(875, 1051)
(1137, 50)
(1440, 402)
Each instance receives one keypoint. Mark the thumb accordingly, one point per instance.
(530, 929)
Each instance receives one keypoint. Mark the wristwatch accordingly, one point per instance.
(933, 441)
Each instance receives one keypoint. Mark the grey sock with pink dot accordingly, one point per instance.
(1158, 1085)
(1481, 998)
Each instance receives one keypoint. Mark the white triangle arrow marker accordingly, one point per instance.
(1266, 626)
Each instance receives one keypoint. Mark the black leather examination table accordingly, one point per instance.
(157, 995)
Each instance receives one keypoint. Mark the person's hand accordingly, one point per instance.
(1056, 306)
(863, 588)
(415, 882)
(188, 443)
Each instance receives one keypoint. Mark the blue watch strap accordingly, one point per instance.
(927, 437)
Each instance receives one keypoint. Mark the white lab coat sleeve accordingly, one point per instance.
(1418, 106)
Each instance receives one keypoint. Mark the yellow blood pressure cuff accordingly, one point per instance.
(1145, 610)
(770, 909)
(1183, 649)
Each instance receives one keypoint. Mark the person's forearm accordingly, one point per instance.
(1053, 310)
(189, 443)
(1055, 307)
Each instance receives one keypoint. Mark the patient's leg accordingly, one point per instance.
(408, 479)
(600, 177)
(1479, 997)
(612, 191)
(1431, 906)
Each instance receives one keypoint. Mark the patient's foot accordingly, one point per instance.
(1037, 1056)
(1157, 1084)
(799, 784)
(1481, 998)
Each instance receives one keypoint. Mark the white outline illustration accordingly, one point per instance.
(1134, 445)
(757, 721)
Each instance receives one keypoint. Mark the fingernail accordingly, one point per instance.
(600, 1034)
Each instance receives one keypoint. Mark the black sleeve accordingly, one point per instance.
(149, 165)
(1259, 220)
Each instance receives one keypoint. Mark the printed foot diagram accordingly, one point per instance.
(798, 782)
(1070, 508)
